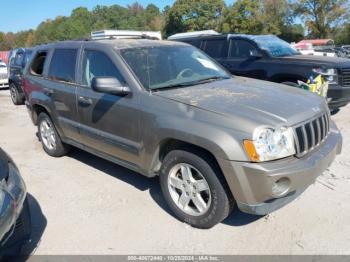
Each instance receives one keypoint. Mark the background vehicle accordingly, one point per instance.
(165, 108)
(15, 223)
(4, 83)
(18, 60)
(269, 58)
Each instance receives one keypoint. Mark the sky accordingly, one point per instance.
(16, 15)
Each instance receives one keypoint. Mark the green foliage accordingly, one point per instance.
(192, 15)
(342, 35)
(322, 18)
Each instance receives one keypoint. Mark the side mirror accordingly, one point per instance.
(255, 54)
(109, 85)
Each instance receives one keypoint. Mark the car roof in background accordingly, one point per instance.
(115, 43)
(230, 35)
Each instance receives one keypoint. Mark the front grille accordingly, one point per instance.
(310, 135)
(345, 73)
(3, 76)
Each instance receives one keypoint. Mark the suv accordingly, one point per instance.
(267, 57)
(17, 63)
(166, 109)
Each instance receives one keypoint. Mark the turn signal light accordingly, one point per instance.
(250, 149)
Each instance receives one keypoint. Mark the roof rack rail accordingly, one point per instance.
(193, 34)
(125, 34)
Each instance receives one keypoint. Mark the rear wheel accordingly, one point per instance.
(51, 141)
(16, 97)
(193, 190)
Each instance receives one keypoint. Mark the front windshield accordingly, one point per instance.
(172, 66)
(275, 46)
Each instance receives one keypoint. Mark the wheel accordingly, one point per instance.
(16, 97)
(193, 190)
(51, 141)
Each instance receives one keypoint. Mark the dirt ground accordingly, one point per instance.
(82, 204)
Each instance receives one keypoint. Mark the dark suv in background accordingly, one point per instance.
(17, 64)
(267, 57)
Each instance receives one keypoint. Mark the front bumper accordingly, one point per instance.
(4, 83)
(14, 194)
(338, 96)
(252, 183)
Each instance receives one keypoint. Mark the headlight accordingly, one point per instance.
(330, 74)
(15, 184)
(269, 144)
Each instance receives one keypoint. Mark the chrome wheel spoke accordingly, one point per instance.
(199, 202)
(186, 173)
(176, 182)
(184, 200)
(201, 185)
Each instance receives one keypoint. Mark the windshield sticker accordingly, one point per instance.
(207, 64)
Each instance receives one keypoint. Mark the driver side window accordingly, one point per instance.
(98, 64)
(241, 49)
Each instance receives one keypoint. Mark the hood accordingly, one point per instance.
(262, 102)
(335, 62)
(4, 169)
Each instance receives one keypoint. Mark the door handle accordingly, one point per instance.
(84, 101)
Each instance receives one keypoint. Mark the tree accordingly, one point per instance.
(342, 36)
(321, 17)
(192, 15)
(242, 17)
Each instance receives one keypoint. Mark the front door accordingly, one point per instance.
(242, 59)
(109, 123)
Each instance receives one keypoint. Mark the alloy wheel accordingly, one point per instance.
(189, 189)
(48, 135)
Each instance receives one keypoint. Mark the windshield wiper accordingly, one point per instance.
(191, 83)
(172, 86)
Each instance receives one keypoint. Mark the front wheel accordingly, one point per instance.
(193, 190)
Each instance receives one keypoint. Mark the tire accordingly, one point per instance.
(50, 139)
(218, 199)
(16, 97)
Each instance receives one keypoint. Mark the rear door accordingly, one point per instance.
(242, 60)
(60, 87)
(109, 123)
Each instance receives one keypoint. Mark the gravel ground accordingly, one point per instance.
(82, 204)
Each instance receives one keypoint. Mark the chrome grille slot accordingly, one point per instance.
(346, 76)
(310, 135)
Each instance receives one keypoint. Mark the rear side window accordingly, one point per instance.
(62, 67)
(37, 66)
(98, 64)
(241, 49)
(214, 48)
(195, 43)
